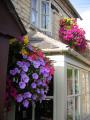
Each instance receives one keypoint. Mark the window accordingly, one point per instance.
(41, 14)
(73, 94)
(78, 97)
(85, 96)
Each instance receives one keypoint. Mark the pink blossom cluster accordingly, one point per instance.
(72, 35)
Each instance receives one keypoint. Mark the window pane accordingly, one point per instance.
(34, 3)
(83, 83)
(70, 109)
(77, 108)
(23, 114)
(50, 91)
(87, 83)
(45, 8)
(45, 21)
(83, 106)
(44, 110)
(69, 81)
(34, 17)
(77, 89)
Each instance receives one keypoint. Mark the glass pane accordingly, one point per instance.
(83, 83)
(34, 4)
(77, 108)
(45, 21)
(84, 106)
(44, 110)
(45, 8)
(23, 114)
(70, 109)
(76, 74)
(69, 81)
(88, 103)
(34, 17)
(87, 83)
(50, 91)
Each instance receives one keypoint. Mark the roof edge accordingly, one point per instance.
(72, 7)
(68, 51)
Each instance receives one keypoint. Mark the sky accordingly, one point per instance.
(83, 8)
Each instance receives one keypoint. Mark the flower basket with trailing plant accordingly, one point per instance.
(72, 35)
(29, 73)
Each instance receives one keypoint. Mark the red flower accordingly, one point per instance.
(51, 70)
(40, 53)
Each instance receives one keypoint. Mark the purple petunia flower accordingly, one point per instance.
(27, 64)
(13, 72)
(35, 76)
(34, 97)
(36, 64)
(30, 47)
(26, 103)
(25, 68)
(33, 85)
(45, 74)
(17, 70)
(19, 98)
(38, 91)
(27, 95)
(42, 62)
(19, 63)
(22, 85)
(30, 59)
(42, 92)
(44, 70)
(49, 78)
(40, 82)
(24, 78)
(24, 56)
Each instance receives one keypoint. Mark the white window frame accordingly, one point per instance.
(39, 17)
(49, 28)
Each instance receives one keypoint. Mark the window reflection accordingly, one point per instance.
(44, 110)
(23, 114)
(69, 81)
(44, 14)
(77, 108)
(70, 109)
(76, 74)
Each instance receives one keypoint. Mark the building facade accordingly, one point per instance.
(44, 15)
(65, 99)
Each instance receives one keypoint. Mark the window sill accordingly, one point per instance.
(46, 32)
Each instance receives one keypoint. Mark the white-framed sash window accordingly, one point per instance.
(45, 15)
(41, 14)
(78, 96)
